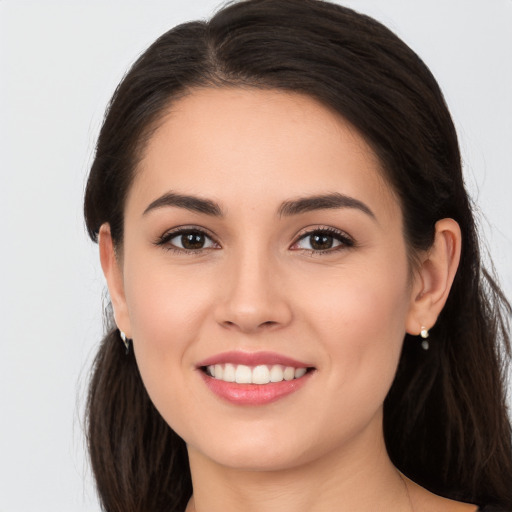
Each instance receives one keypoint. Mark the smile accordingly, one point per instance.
(251, 379)
(261, 374)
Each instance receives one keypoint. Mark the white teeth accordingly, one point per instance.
(300, 372)
(289, 373)
(261, 374)
(229, 373)
(243, 374)
(276, 373)
(219, 371)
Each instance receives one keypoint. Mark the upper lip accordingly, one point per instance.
(252, 359)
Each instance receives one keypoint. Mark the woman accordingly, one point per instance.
(300, 319)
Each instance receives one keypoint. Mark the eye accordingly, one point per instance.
(187, 240)
(323, 240)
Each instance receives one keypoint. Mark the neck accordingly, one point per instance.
(355, 478)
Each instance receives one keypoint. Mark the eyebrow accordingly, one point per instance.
(192, 203)
(334, 200)
(323, 202)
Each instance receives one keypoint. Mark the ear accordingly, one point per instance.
(434, 277)
(114, 276)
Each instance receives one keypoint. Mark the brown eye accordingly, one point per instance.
(193, 241)
(323, 240)
(188, 240)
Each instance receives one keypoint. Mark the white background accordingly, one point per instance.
(59, 64)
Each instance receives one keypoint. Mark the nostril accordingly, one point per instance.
(263, 325)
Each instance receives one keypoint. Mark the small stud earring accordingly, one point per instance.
(126, 341)
(424, 334)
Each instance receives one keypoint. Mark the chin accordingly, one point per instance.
(250, 451)
(247, 457)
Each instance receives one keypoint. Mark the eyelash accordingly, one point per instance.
(345, 240)
(165, 239)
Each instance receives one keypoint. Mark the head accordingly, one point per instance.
(285, 76)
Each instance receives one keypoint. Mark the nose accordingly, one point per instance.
(253, 296)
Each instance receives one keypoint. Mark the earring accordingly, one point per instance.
(126, 341)
(424, 334)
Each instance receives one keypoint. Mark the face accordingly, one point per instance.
(264, 279)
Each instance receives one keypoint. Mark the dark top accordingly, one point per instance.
(490, 508)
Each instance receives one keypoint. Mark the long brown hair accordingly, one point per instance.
(445, 418)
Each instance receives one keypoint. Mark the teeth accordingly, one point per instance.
(300, 372)
(229, 373)
(262, 374)
(219, 371)
(289, 373)
(276, 373)
(243, 374)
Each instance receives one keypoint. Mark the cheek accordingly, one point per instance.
(165, 303)
(357, 301)
(361, 321)
(167, 309)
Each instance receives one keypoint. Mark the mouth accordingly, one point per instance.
(261, 374)
(258, 378)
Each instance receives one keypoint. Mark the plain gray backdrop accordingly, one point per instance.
(59, 63)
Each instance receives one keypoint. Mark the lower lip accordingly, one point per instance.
(254, 394)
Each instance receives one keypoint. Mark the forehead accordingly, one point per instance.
(234, 144)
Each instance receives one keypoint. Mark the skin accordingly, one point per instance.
(258, 285)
